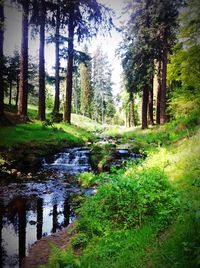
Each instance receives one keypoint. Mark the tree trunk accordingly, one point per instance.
(132, 114)
(41, 110)
(1, 61)
(17, 93)
(145, 98)
(68, 100)
(150, 105)
(164, 86)
(57, 65)
(102, 109)
(158, 93)
(10, 94)
(23, 84)
(39, 218)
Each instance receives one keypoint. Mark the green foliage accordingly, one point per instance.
(116, 225)
(87, 179)
(184, 103)
(183, 70)
(62, 258)
(129, 202)
(137, 217)
(100, 154)
(79, 240)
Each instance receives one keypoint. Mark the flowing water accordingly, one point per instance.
(34, 208)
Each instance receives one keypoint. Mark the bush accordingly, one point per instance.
(129, 202)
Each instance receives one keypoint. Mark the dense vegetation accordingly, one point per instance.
(144, 213)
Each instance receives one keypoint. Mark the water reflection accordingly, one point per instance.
(30, 210)
(24, 220)
(39, 217)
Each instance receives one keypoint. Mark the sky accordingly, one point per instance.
(108, 43)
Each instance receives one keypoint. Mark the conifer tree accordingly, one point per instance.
(85, 83)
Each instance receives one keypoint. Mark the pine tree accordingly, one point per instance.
(85, 83)
(102, 86)
(42, 15)
(82, 15)
(23, 84)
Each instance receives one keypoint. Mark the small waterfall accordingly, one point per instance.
(72, 160)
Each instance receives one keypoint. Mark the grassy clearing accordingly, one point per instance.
(145, 215)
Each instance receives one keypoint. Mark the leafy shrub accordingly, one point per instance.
(129, 202)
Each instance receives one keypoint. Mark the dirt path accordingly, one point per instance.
(40, 251)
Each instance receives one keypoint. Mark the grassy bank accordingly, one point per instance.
(22, 144)
(37, 132)
(145, 215)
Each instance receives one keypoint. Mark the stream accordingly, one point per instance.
(39, 206)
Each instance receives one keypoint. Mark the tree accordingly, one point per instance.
(159, 85)
(150, 37)
(12, 72)
(184, 64)
(1, 62)
(138, 55)
(71, 26)
(102, 85)
(165, 19)
(129, 84)
(150, 104)
(23, 84)
(85, 89)
(42, 15)
(57, 64)
(85, 18)
(57, 21)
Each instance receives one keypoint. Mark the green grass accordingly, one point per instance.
(78, 133)
(166, 134)
(35, 132)
(76, 119)
(85, 123)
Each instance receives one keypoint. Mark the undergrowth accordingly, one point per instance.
(145, 214)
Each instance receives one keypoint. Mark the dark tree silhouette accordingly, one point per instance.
(23, 84)
(3, 119)
(42, 15)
